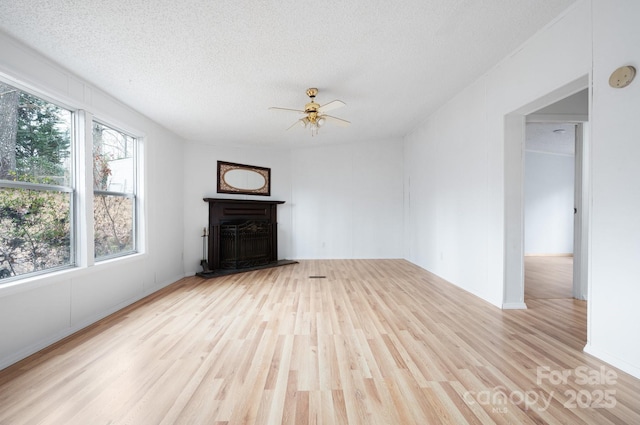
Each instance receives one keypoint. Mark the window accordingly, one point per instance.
(36, 184)
(114, 189)
(42, 205)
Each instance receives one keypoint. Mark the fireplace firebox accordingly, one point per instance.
(245, 244)
(243, 236)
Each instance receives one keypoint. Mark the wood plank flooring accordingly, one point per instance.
(548, 277)
(374, 342)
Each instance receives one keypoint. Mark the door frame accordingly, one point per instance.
(514, 137)
(581, 218)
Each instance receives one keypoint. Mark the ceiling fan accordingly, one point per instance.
(314, 115)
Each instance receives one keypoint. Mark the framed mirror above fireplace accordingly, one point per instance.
(243, 179)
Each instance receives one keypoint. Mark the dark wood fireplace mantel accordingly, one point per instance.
(243, 235)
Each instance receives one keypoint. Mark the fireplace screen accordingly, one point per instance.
(245, 244)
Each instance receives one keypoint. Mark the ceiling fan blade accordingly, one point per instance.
(304, 122)
(298, 122)
(339, 121)
(335, 104)
(287, 109)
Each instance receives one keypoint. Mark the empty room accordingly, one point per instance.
(255, 212)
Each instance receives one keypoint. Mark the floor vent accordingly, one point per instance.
(317, 277)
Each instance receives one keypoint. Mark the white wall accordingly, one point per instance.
(465, 188)
(341, 201)
(548, 203)
(614, 292)
(200, 181)
(347, 200)
(447, 204)
(455, 161)
(38, 311)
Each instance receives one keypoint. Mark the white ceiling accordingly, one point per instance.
(209, 70)
(552, 129)
(555, 138)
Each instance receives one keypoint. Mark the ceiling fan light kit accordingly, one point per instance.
(314, 114)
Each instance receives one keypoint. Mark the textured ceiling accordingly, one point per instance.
(553, 138)
(209, 70)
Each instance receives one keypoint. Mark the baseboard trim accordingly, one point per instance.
(514, 306)
(614, 361)
(568, 254)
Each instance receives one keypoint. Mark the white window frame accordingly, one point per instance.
(72, 189)
(82, 250)
(136, 207)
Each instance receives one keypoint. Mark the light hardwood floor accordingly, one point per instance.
(375, 342)
(548, 277)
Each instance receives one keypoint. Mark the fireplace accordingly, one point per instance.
(243, 236)
(245, 244)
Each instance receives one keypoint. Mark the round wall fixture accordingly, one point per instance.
(622, 77)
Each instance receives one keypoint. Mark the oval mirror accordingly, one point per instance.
(244, 179)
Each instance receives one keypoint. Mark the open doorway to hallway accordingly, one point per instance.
(551, 107)
(553, 200)
(549, 200)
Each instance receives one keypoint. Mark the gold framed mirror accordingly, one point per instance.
(243, 179)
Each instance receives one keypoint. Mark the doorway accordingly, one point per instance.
(515, 125)
(551, 178)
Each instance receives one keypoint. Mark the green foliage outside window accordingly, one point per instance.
(34, 230)
(35, 227)
(36, 190)
(42, 140)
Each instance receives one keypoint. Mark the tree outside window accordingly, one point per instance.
(37, 194)
(114, 183)
(35, 184)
